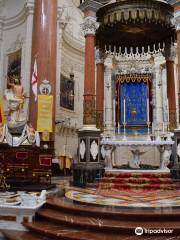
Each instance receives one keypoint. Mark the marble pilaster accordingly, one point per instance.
(164, 92)
(158, 103)
(99, 89)
(28, 46)
(1, 56)
(108, 95)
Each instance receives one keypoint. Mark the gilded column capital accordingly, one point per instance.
(89, 26)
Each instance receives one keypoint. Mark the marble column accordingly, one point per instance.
(44, 41)
(158, 60)
(108, 95)
(89, 166)
(89, 29)
(99, 89)
(177, 25)
(170, 55)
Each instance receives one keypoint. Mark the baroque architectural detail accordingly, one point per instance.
(82, 149)
(99, 56)
(29, 7)
(16, 45)
(89, 111)
(94, 150)
(177, 20)
(89, 26)
(170, 53)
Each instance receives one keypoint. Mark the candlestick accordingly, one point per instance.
(167, 110)
(119, 128)
(163, 128)
(124, 136)
(124, 110)
(152, 128)
(148, 136)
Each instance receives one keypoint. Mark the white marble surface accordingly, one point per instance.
(135, 142)
(27, 208)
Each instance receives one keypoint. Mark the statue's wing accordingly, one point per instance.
(178, 149)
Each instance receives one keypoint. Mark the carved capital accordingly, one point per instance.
(99, 57)
(89, 26)
(29, 7)
(108, 62)
(170, 53)
(177, 20)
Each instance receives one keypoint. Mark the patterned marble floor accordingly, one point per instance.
(165, 199)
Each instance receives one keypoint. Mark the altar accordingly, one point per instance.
(164, 147)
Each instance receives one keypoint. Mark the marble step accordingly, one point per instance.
(19, 235)
(137, 180)
(56, 231)
(15, 235)
(103, 224)
(139, 174)
(60, 205)
(145, 186)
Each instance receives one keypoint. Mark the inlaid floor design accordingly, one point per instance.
(161, 199)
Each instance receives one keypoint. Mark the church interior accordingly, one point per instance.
(89, 119)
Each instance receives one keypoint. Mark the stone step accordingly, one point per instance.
(101, 224)
(65, 207)
(19, 235)
(136, 186)
(57, 231)
(138, 174)
(137, 180)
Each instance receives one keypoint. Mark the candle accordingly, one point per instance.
(163, 128)
(124, 111)
(167, 110)
(152, 127)
(119, 130)
(148, 110)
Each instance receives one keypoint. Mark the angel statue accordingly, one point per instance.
(15, 98)
(135, 162)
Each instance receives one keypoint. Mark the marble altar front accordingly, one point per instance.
(164, 147)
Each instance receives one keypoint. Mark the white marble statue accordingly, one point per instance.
(165, 154)
(15, 98)
(135, 163)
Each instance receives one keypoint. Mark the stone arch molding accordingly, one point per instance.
(16, 45)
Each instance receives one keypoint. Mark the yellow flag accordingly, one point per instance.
(1, 112)
(45, 113)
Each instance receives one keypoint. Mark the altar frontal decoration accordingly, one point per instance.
(45, 113)
(15, 141)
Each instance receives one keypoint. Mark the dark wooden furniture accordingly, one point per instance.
(26, 162)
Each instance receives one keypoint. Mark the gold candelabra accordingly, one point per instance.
(3, 184)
